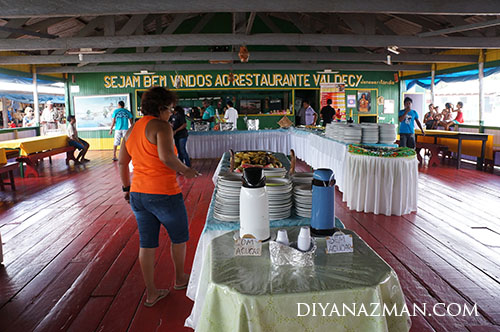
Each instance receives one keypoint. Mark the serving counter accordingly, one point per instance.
(252, 294)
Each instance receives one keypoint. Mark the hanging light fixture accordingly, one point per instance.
(389, 62)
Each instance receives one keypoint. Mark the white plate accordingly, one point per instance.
(225, 218)
(275, 182)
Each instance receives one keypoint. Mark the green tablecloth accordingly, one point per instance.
(250, 294)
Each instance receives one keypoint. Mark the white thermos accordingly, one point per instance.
(254, 205)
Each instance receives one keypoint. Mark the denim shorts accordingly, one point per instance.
(152, 210)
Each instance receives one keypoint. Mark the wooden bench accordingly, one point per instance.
(32, 160)
(489, 164)
(8, 168)
(433, 150)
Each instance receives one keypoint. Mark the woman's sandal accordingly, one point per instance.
(163, 294)
(181, 287)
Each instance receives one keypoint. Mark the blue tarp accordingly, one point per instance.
(27, 98)
(462, 76)
(24, 80)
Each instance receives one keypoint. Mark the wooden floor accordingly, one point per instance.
(71, 245)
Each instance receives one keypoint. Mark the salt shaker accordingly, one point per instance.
(282, 237)
(304, 239)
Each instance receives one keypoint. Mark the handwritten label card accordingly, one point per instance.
(339, 243)
(247, 247)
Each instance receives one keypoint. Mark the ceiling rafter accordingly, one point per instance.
(48, 8)
(207, 39)
(225, 56)
(274, 28)
(15, 23)
(170, 29)
(232, 66)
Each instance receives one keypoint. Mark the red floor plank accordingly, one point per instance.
(50, 297)
(74, 299)
(23, 299)
(91, 314)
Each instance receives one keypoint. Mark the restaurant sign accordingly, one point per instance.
(237, 80)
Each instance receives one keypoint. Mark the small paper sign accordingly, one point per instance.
(247, 246)
(339, 243)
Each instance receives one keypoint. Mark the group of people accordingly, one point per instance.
(211, 115)
(307, 116)
(446, 118)
(432, 120)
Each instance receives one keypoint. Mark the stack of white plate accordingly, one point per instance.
(227, 197)
(387, 133)
(335, 130)
(275, 172)
(279, 193)
(352, 134)
(302, 178)
(369, 133)
(302, 196)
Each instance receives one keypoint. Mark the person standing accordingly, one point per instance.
(310, 115)
(121, 120)
(178, 122)
(327, 113)
(76, 141)
(154, 194)
(231, 114)
(407, 117)
(300, 117)
(209, 113)
(48, 118)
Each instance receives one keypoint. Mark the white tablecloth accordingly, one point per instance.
(214, 144)
(381, 185)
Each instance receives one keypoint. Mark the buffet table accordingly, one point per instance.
(392, 183)
(214, 228)
(315, 149)
(252, 294)
(381, 185)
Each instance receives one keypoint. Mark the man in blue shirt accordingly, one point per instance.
(121, 119)
(209, 113)
(407, 116)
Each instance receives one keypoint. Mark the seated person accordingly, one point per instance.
(76, 141)
(459, 118)
(430, 117)
(447, 116)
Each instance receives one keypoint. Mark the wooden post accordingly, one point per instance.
(481, 90)
(4, 113)
(1, 252)
(36, 108)
(433, 77)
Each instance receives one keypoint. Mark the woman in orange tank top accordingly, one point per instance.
(155, 196)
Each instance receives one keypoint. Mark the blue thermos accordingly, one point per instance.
(323, 203)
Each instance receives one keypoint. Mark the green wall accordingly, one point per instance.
(244, 84)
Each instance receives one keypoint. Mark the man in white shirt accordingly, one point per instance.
(231, 114)
(48, 118)
(76, 141)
